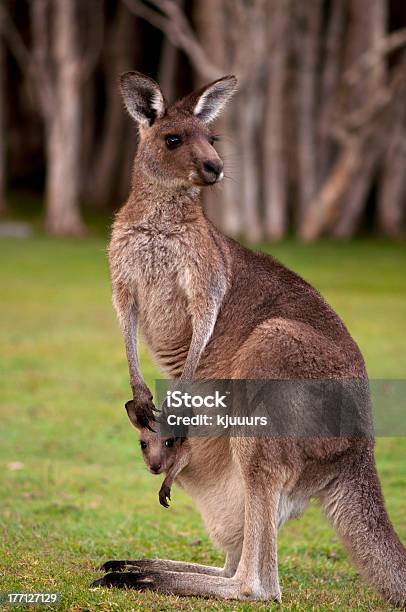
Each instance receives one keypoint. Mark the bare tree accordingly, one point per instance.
(63, 120)
(308, 29)
(274, 169)
(315, 132)
(330, 85)
(391, 200)
(118, 57)
(56, 69)
(366, 31)
(168, 65)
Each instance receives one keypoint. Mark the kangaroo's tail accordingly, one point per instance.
(355, 505)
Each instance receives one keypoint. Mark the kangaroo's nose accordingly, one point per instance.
(214, 166)
(212, 169)
(155, 467)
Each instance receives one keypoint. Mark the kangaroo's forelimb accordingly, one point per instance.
(182, 460)
(140, 409)
(205, 299)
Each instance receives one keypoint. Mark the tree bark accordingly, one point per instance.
(366, 33)
(274, 171)
(324, 206)
(64, 129)
(347, 224)
(309, 21)
(250, 108)
(168, 64)
(391, 199)
(102, 187)
(330, 81)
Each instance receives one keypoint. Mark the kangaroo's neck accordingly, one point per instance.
(157, 204)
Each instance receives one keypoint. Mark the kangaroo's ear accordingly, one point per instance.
(129, 406)
(208, 102)
(142, 97)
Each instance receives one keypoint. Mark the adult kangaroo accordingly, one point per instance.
(210, 308)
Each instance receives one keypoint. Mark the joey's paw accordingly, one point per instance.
(164, 495)
(141, 412)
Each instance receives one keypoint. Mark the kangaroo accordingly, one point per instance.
(163, 454)
(209, 308)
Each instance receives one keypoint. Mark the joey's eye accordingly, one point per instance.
(143, 444)
(169, 443)
(173, 141)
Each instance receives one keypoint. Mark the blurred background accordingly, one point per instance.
(314, 144)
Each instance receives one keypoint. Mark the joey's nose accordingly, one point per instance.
(155, 467)
(211, 170)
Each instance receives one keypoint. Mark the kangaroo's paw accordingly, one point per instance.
(164, 495)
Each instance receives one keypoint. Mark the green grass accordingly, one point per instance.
(82, 495)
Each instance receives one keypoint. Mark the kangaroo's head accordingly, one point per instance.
(158, 452)
(176, 145)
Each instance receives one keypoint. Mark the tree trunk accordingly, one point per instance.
(63, 217)
(366, 32)
(3, 201)
(64, 133)
(274, 171)
(391, 202)
(250, 188)
(324, 207)
(102, 188)
(309, 21)
(168, 64)
(210, 21)
(357, 195)
(330, 81)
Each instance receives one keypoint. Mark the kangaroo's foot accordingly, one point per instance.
(187, 584)
(140, 565)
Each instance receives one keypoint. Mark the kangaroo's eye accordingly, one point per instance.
(213, 140)
(173, 141)
(143, 444)
(169, 443)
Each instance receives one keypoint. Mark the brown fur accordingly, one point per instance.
(210, 308)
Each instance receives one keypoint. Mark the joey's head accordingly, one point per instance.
(176, 145)
(158, 452)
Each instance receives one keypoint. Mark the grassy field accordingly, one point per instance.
(74, 492)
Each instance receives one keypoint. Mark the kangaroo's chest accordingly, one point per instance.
(160, 265)
(157, 258)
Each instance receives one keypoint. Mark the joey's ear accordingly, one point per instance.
(208, 102)
(129, 406)
(142, 97)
